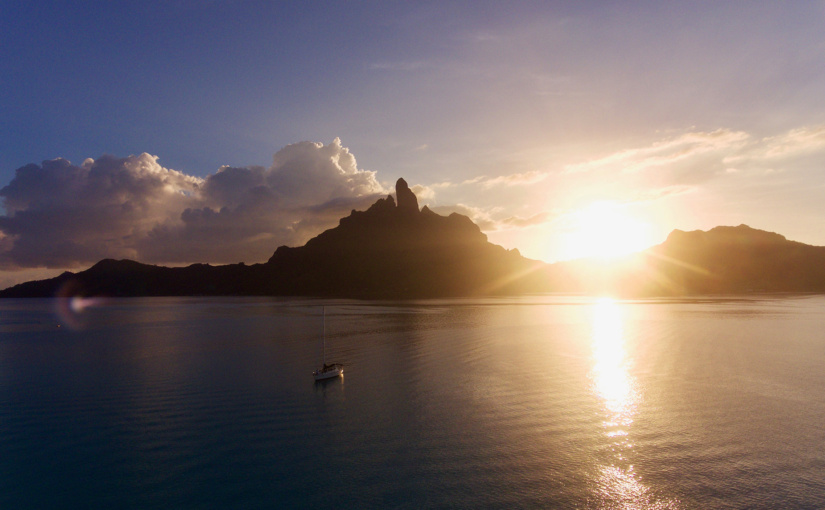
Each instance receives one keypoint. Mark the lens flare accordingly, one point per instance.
(72, 305)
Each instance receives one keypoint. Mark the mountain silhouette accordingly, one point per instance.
(723, 260)
(391, 250)
(395, 250)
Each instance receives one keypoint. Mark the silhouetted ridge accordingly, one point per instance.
(738, 259)
(723, 260)
(394, 250)
(122, 278)
(742, 235)
(391, 250)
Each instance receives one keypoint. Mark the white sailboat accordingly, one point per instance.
(327, 371)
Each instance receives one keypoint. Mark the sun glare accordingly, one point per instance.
(605, 230)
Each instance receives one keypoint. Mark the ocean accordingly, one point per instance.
(526, 402)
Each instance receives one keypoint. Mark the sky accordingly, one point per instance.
(187, 131)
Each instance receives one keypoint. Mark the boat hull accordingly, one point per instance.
(329, 373)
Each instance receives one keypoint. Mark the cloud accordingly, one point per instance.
(489, 220)
(424, 193)
(796, 142)
(692, 150)
(482, 218)
(520, 179)
(62, 215)
(531, 221)
(689, 161)
(647, 195)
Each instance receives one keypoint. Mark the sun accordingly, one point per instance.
(604, 229)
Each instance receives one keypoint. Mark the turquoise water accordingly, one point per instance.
(540, 402)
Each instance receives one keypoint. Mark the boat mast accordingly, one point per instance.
(324, 335)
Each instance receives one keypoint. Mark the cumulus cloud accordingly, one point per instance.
(63, 215)
(424, 193)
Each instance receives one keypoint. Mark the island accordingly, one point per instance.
(396, 250)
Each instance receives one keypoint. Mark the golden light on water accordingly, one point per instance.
(611, 379)
(623, 490)
(618, 485)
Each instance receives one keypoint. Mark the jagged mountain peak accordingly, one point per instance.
(407, 201)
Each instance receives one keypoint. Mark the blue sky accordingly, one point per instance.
(545, 122)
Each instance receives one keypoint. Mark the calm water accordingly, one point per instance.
(550, 402)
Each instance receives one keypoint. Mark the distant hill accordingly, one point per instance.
(391, 250)
(723, 260)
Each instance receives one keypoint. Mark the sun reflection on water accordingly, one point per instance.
(611, 380)
(618, 485)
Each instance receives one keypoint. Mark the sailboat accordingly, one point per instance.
(327, 371)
